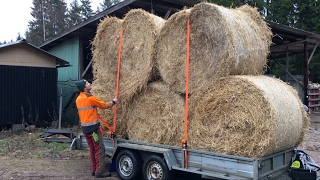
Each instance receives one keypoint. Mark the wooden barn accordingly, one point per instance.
(29, 84)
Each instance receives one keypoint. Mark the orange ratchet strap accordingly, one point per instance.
(113, 130)
(185, 138)
(117, 82)
(106, 124)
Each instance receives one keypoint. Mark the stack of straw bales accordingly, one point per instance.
(136, 59)
(233, 109)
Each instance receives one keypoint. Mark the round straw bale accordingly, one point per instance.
(105, 57)
(140, 30)
(255, 38)
(156, 116)
(249, 116)
(222, 41)
(105, 50)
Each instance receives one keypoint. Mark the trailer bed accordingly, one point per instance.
(207, 164)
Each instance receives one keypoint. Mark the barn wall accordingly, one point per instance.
(70, 51)
(27, 93)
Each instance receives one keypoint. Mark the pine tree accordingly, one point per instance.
(282, 12)
(19, 37)
(74, 13)
(36, 27)
(309, 21)
(49, 19)
(86, 11)
(306, 18)
(57, 16)
(107, 4)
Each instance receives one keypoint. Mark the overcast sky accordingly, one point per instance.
(15, 14)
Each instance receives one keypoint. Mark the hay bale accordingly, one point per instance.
(249, 116)
(156, 116)
(140, 30)
(222, 41)
(104, 68)
(105, 50)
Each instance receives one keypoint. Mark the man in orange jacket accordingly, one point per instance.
(87, 105)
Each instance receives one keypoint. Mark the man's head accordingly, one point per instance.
(81, 84)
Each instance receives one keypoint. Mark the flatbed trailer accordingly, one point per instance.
(141, 160)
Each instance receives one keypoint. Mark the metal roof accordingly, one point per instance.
(87, 29)
(59, 62)
(291, 39)
(284, 36)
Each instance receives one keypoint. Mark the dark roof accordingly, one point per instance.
(294, 38)
(87, 29)
(59, 62)
(283, 35)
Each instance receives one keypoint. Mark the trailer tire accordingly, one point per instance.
(155, 168)
(128, 165)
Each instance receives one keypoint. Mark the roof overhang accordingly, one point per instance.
(59, 62)
(87, 29)
(291, 40)
(286, 40)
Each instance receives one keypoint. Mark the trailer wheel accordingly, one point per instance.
(128, 165)
(154, 168)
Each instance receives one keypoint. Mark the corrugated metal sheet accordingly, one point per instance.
(29, 94)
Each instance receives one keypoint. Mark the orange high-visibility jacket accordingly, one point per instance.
(87, 108)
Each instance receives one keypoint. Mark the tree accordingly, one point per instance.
(57, 17)
(282, 12)
(107, 4)
(19, 37)
(74, 13)
(86, 11)
(36, 27)
(49, 19)
(299, 14)
(305, 17)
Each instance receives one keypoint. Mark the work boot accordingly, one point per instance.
(102, 175)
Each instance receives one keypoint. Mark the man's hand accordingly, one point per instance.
(114, 101)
